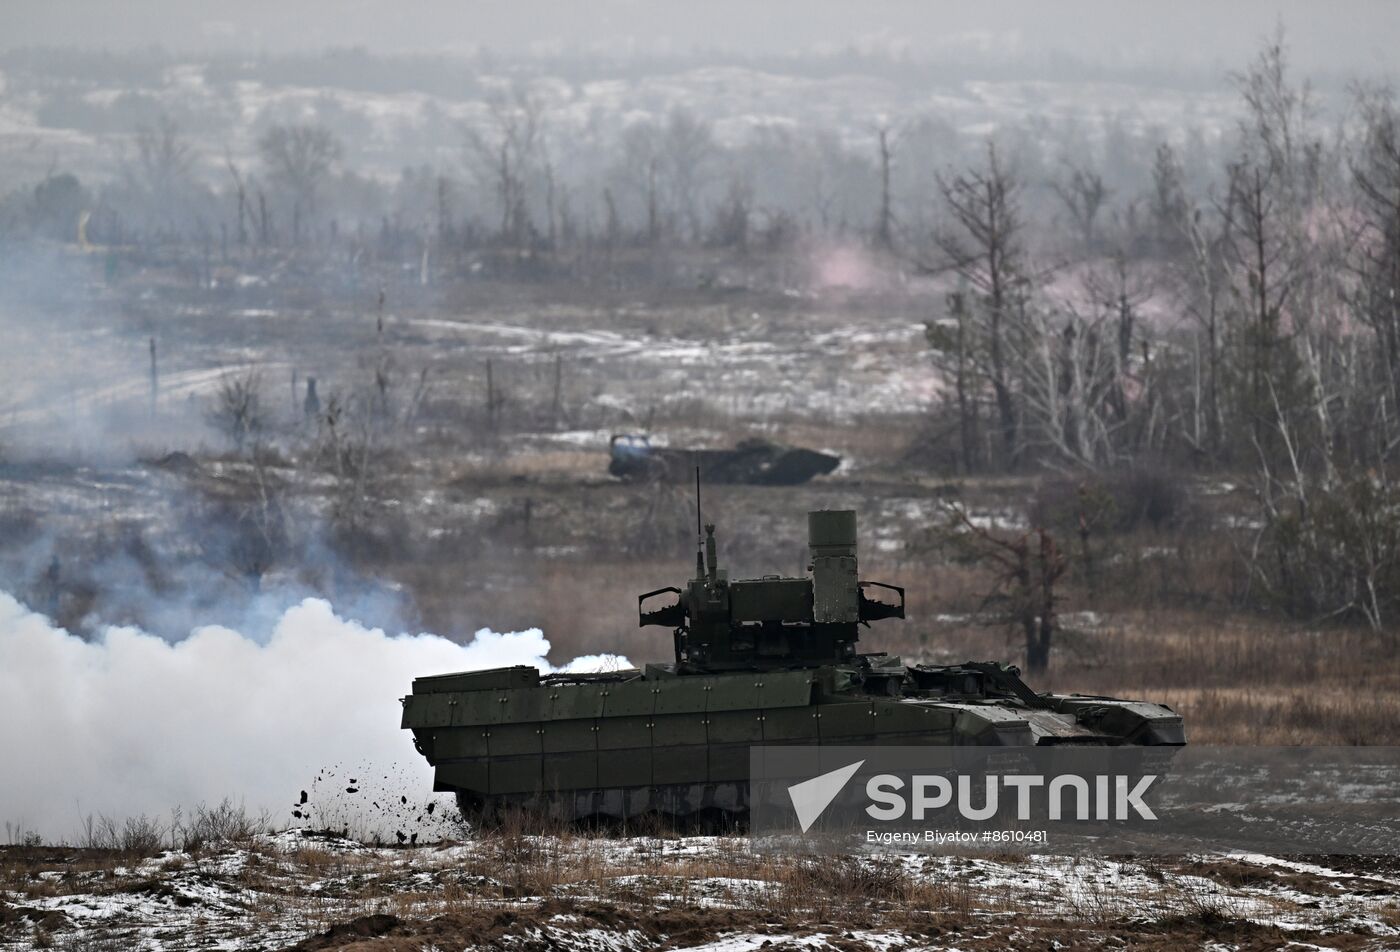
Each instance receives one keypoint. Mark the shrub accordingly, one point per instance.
(1120, 501)
(1333, 551)
(17, 835)
(221, 824)
(236, 410)
(135, 836)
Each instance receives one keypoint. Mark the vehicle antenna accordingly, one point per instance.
(699, 532)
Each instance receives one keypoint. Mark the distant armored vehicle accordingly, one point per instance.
(757, 661)
(758, 462)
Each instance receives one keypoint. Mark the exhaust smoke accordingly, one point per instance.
(132, 724)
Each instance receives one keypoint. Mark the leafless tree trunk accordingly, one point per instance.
(299, 158)
(1258, 252)
(1376, 258)
(1168, 206)
(164, 161)
(242, 196)
(1204, 280)
(967, 412)
(1084, 194)
(884, 223)
(1119, 291)
(504, 156)
(1026, 569)
(952, 343)
(1070, 372)
(984, 249)
(688, 148)
(264, 220)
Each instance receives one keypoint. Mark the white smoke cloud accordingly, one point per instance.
(133, 724)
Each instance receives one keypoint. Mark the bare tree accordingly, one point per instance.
(687, 149)
(1277, 114)
(1263, 262)
(237, 410)
(822, 160)
(884, 221)
(1119, 290)
(952, 342)
(1376, 258)
(1202, 283)
(299, 158)
(1084, 195)
(260, 531)
(1069, 373)
(553, 192)
(504, 153)
(1167, 203)
(164, 161)
(1025, 570)
(985, 249)
(640, 170)
(732, 218)
(241, 194)
(345, 449)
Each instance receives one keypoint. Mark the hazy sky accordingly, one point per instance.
(1347, 35)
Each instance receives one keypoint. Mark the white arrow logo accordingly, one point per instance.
(811, 797)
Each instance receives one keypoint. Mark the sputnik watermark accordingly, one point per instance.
(934, 792)
(1075, 799)
(955, 838)
(1101, 797)
(810, 798)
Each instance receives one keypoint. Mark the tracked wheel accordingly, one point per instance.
(679, 809)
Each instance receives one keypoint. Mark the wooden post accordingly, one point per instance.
(558, 383)
(155, 379)
(490, 396)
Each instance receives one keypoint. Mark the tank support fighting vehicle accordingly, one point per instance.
(757, 661)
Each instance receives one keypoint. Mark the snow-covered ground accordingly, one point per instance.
(511, 890)
(817, 366)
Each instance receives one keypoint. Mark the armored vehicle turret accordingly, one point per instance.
(770, 661)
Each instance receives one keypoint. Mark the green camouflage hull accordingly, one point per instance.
(636, 743)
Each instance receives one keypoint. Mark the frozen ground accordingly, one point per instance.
(514, 891)
(782, 359)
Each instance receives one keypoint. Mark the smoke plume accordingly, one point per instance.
(132, 724)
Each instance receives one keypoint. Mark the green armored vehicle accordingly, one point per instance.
(757, 661)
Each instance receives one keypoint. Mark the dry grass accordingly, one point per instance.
(1236, 681)
(668, 891)
(1250, 682)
